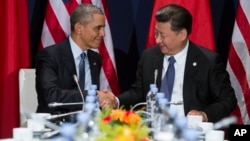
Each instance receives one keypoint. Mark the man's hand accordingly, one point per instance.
(201, 113)
(107, 99)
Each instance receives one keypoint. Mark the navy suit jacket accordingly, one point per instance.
(55, 68)
(206, 86)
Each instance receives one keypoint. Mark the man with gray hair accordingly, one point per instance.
(57, 64)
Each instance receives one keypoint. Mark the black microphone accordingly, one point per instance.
(155, 75)
(56, 104)
(78, 86)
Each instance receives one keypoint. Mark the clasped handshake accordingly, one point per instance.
(107, 99)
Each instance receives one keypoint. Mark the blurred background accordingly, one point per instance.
(129, 22)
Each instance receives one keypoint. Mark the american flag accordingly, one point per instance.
(56, 28)
(238, 64)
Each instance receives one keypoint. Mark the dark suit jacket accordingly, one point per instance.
(206, 86)
(55, 68)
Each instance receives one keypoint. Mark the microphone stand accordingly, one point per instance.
(55, 104)
(62, 115)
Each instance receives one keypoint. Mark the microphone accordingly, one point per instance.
(56, 104)
(145, 103)
(175, 103)
(78, 86)
(138, 104)
(155, 75)
(225, 122)
(62, 115)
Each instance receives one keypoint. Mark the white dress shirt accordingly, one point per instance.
(177, 94)
(76, 51)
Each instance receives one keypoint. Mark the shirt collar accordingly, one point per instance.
(76, 50)
(180, 54)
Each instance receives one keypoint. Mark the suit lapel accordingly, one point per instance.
(191, 67)
(158, 64)
(94, 67)
(67, 57)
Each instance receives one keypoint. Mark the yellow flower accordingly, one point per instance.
(121, 125)
(126, 135)
(117, 114)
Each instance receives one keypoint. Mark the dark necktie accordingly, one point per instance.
(82, 71)
(168, 80)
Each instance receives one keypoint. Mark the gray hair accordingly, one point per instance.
(83, 14)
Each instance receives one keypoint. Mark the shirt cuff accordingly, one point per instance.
(118, 103)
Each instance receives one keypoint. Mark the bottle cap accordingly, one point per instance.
(93, 87)
(84, 118)
(152, 86)
(68, 129)
(90, 99)
(154, 90)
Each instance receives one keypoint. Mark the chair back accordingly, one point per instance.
(27, 94)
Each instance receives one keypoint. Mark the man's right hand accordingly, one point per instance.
(107, 99)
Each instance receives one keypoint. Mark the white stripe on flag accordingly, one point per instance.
(241, 49)
(240, 39)
(245, 4)
(239, 94)
(62, 14)
(46, 38)
(108, 38)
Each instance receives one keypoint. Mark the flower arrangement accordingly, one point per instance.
(121, 125)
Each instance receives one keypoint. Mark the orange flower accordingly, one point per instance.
(131, 118)
(127, 117)
(122, 125)
(117, 114)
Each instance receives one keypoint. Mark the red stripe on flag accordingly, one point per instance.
(54, 26)
(86, 1)
(240, 74)
(109, 69)
(105, 6)
(70, 6)
(107, 64)
(244, 26)
(235, 61)
(237, 113)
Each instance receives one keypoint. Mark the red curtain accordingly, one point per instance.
(14, 54)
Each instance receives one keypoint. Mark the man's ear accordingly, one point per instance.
(78, 28)
(183, 34)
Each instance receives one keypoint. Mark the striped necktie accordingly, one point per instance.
(82, 70)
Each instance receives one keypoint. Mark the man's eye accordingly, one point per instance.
(98, 28)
